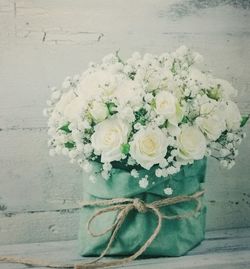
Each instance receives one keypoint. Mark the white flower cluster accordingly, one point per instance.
(148, 111)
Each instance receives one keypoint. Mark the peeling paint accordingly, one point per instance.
(100, 37)
(187, 8)
(44, 36)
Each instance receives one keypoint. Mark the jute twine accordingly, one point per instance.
(123, 206)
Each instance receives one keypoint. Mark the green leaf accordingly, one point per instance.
(153, 103)
(111, 108)
(125, 148)
(185, 119)
(214, 93)
(244, 120)
(69, 144)
(65, 128)
(132, 75)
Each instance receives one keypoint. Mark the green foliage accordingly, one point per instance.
(69, 144)
(185, 119)
(214, 93)
(244, 120)
(125, 148)
(153, 103)
(132, 75)
(65, 128)
(111, 108)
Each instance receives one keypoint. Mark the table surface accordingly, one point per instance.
(224, 249)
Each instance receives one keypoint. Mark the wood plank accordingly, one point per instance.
(224, 249)
(39, 47)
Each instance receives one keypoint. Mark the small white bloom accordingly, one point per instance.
(134, 173)
(105, 175)
(168, 191)
(143, 183)
(224, 152)
(171, 170)
(163, 163)
(223, 163)
(138, 126)
(107, 166)
(127, 114)
(160, 120)
(131, 161)
(87, 167)
(148, 97)
(92, 178)
(230, 146)
(231, 164)
(158, 172)
(232, 116)
(170, 159)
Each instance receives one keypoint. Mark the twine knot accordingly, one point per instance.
(139, 205)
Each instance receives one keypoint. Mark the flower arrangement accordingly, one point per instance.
(149, 111)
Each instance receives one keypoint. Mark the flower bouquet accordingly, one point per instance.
(141, 129)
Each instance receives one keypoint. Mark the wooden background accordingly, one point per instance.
(42, 41)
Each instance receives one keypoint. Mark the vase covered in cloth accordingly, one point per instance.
(176, 237)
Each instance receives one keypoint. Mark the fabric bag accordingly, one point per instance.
(176, 236)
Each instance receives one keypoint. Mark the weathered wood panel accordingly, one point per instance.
(226, 249)
(43, 41)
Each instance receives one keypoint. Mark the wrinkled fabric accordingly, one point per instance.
(176, 237)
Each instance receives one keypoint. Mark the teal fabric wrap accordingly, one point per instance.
(176, 236)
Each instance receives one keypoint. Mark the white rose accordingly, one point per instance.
(99, 111)
(129, 91)
(167, 106)
(211, 126)
(191, 143)
(108, 137)
(232, 115)
(149, 147)
(226, 89)
(92, 85)
(74, 109)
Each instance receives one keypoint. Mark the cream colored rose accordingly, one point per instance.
(97, 83)
(232, 115)
(99, 111)
(148, 147)
(192, 143)
(129, 91)
(167, 106)
(74, 109)
(211, 126)
(108, 137)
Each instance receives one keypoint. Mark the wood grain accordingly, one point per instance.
(43, 41)
(227, 249)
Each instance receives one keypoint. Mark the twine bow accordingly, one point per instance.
(126, 205)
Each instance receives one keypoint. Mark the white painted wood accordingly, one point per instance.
(222, 249)
(43, 41)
